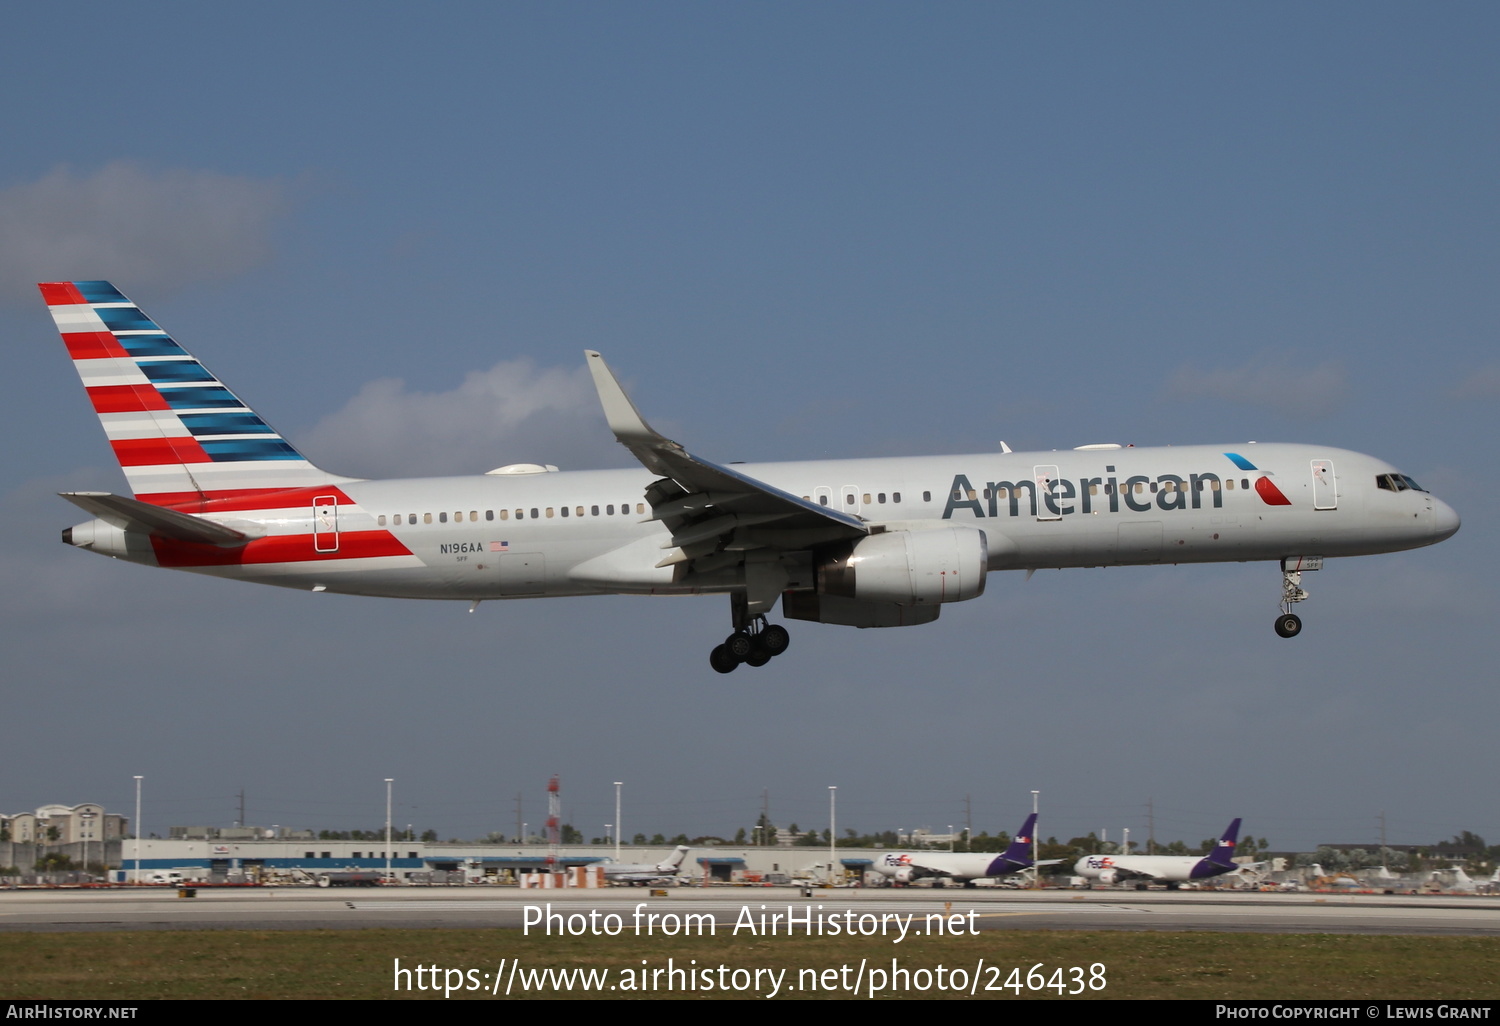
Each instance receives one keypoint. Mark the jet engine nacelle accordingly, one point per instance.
(908, 567)
(905, 875)
(1107, 876)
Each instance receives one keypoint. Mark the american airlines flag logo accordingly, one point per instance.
(500, 546)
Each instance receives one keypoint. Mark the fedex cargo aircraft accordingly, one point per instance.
(863, 543)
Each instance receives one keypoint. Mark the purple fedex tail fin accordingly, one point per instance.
(1221, 859)
(1018, 856)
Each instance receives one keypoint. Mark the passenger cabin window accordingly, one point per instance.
(879, 497)
(442, 518)
(426, 518)
(380, 520)
(534, 513)
(895, 496)
(489, 514)
(823, 500)
(609, 510)
(594, 510)
(411, 518)
(926, 496)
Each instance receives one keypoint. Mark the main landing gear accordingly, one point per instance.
(755, 645)
(1289, 624)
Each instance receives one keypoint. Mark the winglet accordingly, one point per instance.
(624, 419)
(630, 428)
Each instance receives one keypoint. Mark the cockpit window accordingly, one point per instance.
(1397, 483)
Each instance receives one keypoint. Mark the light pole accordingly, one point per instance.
(618, 785)
(833, 829)
(388, 782)
(138, 780)
(1035, 872)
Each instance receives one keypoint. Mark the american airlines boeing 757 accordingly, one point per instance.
(864, 543)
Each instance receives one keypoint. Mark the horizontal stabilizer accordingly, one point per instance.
(132, 514)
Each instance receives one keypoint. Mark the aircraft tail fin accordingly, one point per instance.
(1223, 853)
(674, 861)
(182, 437)
(1019, 852)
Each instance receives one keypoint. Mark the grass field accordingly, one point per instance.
(361, 964)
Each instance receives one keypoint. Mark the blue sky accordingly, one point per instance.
(796, 231)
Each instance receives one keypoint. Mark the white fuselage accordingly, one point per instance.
(591, 532)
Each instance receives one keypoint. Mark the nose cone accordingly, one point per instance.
(1444, 521)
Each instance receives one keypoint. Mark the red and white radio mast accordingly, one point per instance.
(554, 817)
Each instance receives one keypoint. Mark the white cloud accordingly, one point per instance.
(1277, 380)
(1484, 383)
(514, 412)
(140, 228)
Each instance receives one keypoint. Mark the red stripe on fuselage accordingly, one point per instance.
(245, 499)
(61, 293)
(156, 452)
(126, 399)
(292, 548)
(92, 345)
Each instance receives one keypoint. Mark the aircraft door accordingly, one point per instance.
(849, 500)
(326, 523)
(823, 496)
(1048, 500)
(1325, 485)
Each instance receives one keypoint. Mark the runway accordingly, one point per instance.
(509, 908)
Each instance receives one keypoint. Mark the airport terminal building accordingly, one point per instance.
(304, 860)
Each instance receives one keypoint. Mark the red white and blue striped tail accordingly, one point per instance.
(181, 437)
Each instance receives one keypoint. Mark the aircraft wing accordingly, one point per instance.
(716, 514)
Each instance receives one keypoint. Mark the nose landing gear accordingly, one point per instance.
(1289, 624)
(755, 645)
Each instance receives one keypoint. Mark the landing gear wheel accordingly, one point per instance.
(775, 639)
(1288, 625)
(759, 654)
(739, 645)
(722, 660)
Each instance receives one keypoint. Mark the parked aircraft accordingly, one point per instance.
(645, 872)
(907, 866)
(864, 543)
(1168, 869)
